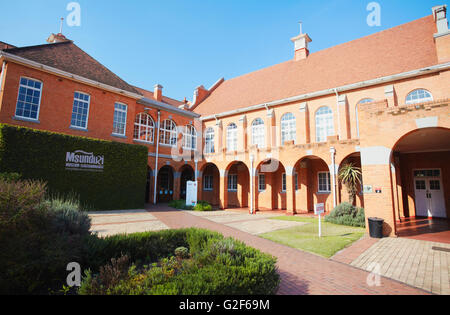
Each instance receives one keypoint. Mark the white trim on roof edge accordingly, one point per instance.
(368, 83)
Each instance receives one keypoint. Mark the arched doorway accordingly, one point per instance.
(209, 190)
(313, 184)
(165, 184)
(237, 185)
(355, 160)
(271, 184)
(187, 174)
(421, 181)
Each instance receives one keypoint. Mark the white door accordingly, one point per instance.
(429, 192)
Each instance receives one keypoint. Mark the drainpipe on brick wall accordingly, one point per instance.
(2, 76)
(333, 174)
(252, 160)
(338, 113)
(157, 157)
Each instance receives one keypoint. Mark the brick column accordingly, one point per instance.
(290, 191)
(223, 189)
(344, 115)
(218, 137)
(302, 193)
(270, 129)
(242, 133)
(176, 185)
(391, 95)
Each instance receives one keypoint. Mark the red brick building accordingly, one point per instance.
(272, 139)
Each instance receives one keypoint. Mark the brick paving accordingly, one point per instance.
(418, 263)
(301, 273)
(351, 253)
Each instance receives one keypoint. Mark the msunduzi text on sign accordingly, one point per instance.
(83, 161)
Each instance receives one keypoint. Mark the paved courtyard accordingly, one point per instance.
(422, 264)
(124, 222)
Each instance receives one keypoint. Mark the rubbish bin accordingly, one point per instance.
(376, 227)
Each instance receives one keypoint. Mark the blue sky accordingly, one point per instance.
(182, 44)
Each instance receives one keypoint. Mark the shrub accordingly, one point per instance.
(216, 266)
(37, 242)
(41, 155)
(10, 177)
(347, 214)
(182, 252)
(181, 205)
(203, 206)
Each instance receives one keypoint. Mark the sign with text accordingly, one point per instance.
(191, 194)
(84, 161)
(319, 209)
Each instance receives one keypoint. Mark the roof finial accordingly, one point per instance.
(61, 27)
(301, 30)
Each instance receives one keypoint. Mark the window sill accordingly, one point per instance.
(119, 136)
(78, 129)
(167, 145)
(208, 190)
(232, 191)
(143, 142)
(31, 120)
(324, 192)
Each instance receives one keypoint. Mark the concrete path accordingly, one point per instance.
(124, 222)
(422, 264)
(301, 272)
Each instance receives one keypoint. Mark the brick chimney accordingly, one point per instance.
(57, 38)
(301, 45)
(157, 94)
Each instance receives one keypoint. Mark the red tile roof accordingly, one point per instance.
(400, 49)
(165, 99)
(69, 57)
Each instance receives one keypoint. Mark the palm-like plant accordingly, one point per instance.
(351, 177)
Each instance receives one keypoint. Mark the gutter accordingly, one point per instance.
(163, 106)
(349, 87)
(2, 76)
(69, 75)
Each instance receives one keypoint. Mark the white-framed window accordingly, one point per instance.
(189, 138)
(324, 124)
(283, 182)
(209, 141)
(144, 128)
(288, 128)
(364, 101)
(232, 183)
(80, 111)
(296, 181)
(324, 182)
(232, 137)
(168, 133)
(120, 119)
(258, 133)
(262, 182)
(208, 183)
(29, 99)
(419, 96)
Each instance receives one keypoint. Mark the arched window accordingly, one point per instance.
(232, 137)
(364, 101)
(209, 141)
(288, 128)
(144, 128)
(258, 133)
(189, 138)
(419, 96)
(168, 133)
(324, 124)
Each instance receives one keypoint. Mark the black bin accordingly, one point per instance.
(376, 227)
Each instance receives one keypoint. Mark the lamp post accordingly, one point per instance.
(333, 174)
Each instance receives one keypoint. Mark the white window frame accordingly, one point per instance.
(232, 137)
(31, 88)
(288, 128)
(259, 133)
(328, 183)
(208, 183)
(148, 128)
(167, 135)
(209, 141)
(115, 120)
(418, 100)
(88, 110)
(324, 124)
(189, 138)
(262, 185)
(232, 183)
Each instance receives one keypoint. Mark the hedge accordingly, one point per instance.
(41, 155)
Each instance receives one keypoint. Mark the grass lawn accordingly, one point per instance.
(306, 237)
